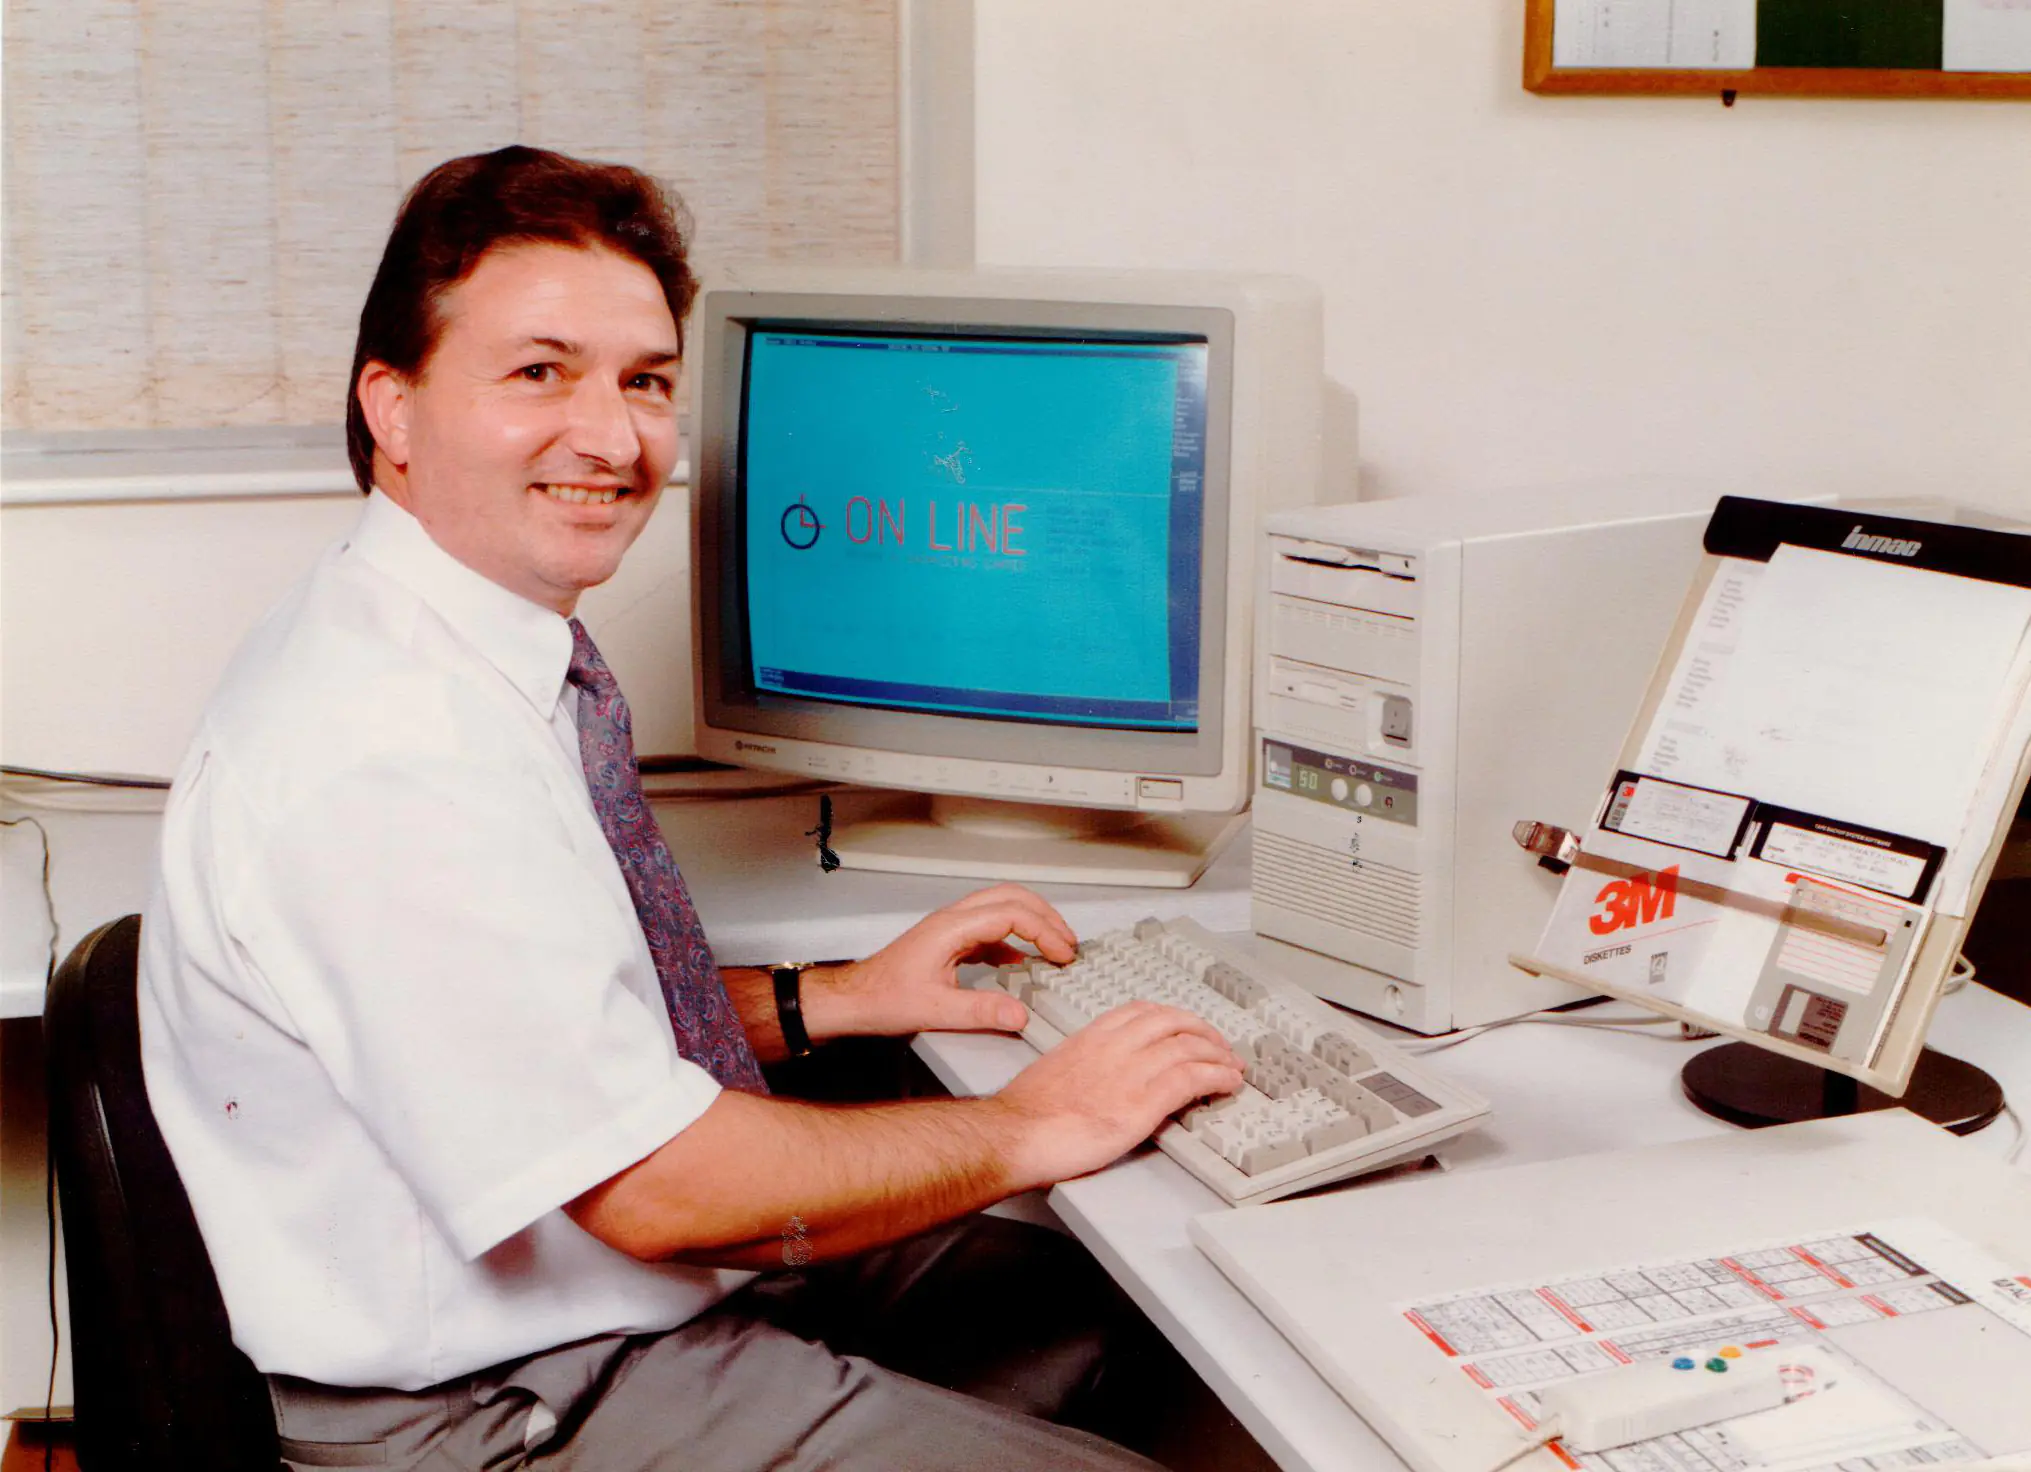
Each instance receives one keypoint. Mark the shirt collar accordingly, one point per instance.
(526, 642)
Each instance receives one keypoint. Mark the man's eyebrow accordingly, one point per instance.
(565, 348)
(559, 345)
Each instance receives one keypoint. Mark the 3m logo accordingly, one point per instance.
(1860, 541)
(1637, 900)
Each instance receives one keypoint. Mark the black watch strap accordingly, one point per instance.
(790, 1010)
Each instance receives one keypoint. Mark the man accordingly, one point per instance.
(472, 1125)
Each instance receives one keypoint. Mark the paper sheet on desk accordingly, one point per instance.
(1864, 691)
(1816, 1299)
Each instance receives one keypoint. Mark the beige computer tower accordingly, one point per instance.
(1428, 671)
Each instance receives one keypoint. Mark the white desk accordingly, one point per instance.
(1556, 1091)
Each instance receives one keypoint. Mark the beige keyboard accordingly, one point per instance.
(1325, 1097)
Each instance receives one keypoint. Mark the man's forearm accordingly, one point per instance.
(759, 1182)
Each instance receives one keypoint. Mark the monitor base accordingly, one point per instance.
(1036, 843)
(1745, 1085)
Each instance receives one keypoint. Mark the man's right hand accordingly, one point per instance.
(1107, 1088)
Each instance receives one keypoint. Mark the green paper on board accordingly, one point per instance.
(1898, 34)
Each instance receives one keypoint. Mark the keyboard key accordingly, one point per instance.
(1339, 1051)
(1058, 1010)
(1401, 1095)
(1268, 1154)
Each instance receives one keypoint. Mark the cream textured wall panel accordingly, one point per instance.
(198, 190)
(582, 77)
(13, 378)
(815, 170)
(211, 213)
(457, 84)
(77, 168)
(331, 75)
(708, 81)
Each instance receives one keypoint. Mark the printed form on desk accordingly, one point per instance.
(1902, 1345)
(1829, 757)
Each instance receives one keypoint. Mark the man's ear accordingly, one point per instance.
(384, 403)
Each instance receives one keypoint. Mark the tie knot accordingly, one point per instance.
(588, 670)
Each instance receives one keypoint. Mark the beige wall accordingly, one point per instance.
(133, 610)
(1524, 289)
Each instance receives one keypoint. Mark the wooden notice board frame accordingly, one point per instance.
(1541, 76)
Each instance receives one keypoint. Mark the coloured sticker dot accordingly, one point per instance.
(1681, 1363)
(1717, 1363)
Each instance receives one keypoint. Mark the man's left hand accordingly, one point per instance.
(911, 984)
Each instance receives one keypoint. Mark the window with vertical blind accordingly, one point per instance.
(197, 191)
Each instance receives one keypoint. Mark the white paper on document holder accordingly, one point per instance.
(1837, 695)
(1857, 690)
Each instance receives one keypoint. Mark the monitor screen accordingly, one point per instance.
(989, 535)
(962, 514)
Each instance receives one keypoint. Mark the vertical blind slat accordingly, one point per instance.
(83, 311)
(210, 213)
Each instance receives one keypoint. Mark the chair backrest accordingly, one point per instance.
(159, 1383)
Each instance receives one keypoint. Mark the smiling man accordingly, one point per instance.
(474, 1127)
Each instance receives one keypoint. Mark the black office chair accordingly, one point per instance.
(160, 1386)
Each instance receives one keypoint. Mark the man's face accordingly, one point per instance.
(537, 439)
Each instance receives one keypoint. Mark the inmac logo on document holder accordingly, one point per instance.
(1860, 541)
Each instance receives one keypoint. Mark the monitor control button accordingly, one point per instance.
(1161, 789)
(1339, 789)
(1364, 795)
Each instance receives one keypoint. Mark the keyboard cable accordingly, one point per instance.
(1630, 1025)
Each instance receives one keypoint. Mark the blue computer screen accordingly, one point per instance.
(1003, 527)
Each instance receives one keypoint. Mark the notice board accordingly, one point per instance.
(1828, 48)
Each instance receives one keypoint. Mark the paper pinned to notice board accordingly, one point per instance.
(1987, 36)
(1723, 35)
(1683, 33)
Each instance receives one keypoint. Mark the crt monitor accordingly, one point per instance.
(989, 537)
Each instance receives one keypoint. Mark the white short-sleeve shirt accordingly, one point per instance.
(396, 1006)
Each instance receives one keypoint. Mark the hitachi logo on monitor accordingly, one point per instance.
(1860, 541)
(754, 746)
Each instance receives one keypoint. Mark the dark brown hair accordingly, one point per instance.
(468, 206)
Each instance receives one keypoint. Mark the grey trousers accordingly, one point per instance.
(783, 1375)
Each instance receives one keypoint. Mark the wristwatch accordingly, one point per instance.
(789, 1006)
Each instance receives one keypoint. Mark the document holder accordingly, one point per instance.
(1815, 788)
